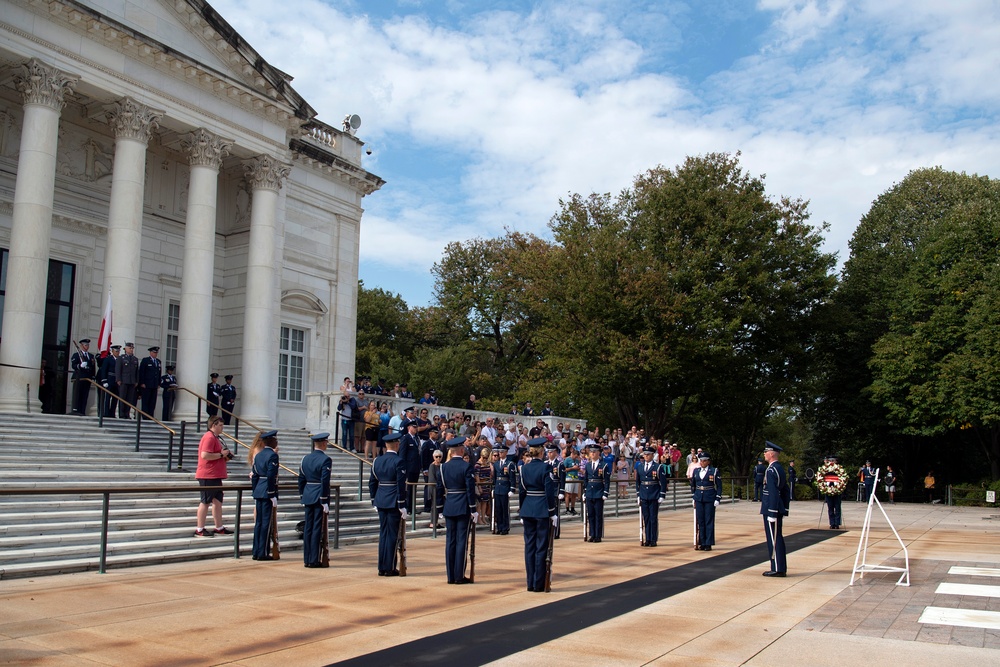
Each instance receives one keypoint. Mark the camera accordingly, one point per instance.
(228, 454)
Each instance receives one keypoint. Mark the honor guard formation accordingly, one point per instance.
(463, 491)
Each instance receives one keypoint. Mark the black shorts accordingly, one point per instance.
(371, 434)
(208, 495)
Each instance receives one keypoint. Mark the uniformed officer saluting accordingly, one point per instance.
(458, 488)
(650, 489)
(537, 496)
(504, 474)
(387, 490)
(314, 487)
(596, 478)
(774, 507)
(706, 489)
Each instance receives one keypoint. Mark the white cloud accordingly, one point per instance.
(843, 100)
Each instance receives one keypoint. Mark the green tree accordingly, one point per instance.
(936, 370)
(384, 339)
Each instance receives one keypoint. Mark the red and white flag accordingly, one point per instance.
(104, 340)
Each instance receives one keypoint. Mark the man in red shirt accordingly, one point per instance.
(212, 458)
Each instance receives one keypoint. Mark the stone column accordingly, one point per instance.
(132, 123)
(43, 89)
(194, 345)
(265, 175)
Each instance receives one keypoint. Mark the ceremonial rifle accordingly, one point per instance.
(472, 550)
(401, 545)
(275, 547)
(324, 544)
(551, 547)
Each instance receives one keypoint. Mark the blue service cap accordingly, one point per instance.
(455, 442)
(537, 442)
(704, 455)
(771, 447)
(269, 434)
(392, 436)
(320, 436)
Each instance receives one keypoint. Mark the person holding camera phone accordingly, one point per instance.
(212, 458)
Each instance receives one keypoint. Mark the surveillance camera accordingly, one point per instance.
(368, 151)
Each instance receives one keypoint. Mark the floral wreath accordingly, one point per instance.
(831, 479)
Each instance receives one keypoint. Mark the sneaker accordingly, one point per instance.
(223, 531)
(203, 533)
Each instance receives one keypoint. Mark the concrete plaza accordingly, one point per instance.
(242, 612)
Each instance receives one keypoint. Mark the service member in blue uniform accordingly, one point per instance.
(504, 479)
(150, 373)
(833, 502)
(537, 495)
(213, 394)
(387, 491)
(758, 479)
(867, 481)
(409, 452)
(84, 368)
(595, 476)
(109, 380)
(264, 481)
(168, 382)
(774, 508)
(558, 474)
(706, 489)
(314, 488)
(127, 374)
(227, 396)
(458, 488)
(650, 489)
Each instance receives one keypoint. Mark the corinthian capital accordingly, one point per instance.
(206, 149)
(45, 85)
(266, 173)
(132, 120)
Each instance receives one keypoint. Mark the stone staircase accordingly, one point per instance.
(43, 534)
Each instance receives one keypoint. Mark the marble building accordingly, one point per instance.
(148, 152)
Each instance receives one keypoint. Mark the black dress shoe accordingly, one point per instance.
(706, 548)
(392, 573)
(464, 580)
(596, 539)
(697, 547)
(769, 573)
(263, 558)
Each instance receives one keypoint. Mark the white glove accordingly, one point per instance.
(475, 516)
(510, 494)
(555, 521)
(104, 384)
(562, 496)
(772, 519)
(584, 497)
(374, 508)
(659, 500)
(326, 508)
(522, 522)
(716, 503)
(694, 503)
(83, 364)
(403, 513)
(605, 496)
(274, 502)
(638, 502)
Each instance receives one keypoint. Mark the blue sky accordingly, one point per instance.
(482, 115)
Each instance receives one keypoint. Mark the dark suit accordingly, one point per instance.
(84, 369)
(458, 488)
(504, 475)
(167, 382)
(314, 487)
(228, 395)
(705, 491)
(650, 488)
(149, 381)
(774, 504)
(538, 495)
(212, 395)
(387, 490)
(106, 376)
(868, 482)
(758, 480)
(596, 479)
(264, 480)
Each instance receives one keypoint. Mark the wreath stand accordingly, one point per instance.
(860, 560)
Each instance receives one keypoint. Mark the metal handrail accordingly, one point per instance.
(361, 468)
(107, 491)
(231, 414)
(138, 421)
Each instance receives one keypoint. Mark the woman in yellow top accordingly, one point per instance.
(372, 423)
(929, 483)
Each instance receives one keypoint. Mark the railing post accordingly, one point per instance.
(617, 499)
(170, 450)
(361, 475)
(180, 449)
(336, 518)
(236, 532)
(434, 507)
(100, 407)
(138, 428)
(236, 433)
(198, 423)
(413, 504)
(102, 567)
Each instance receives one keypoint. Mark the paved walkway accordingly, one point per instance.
(247, 613)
